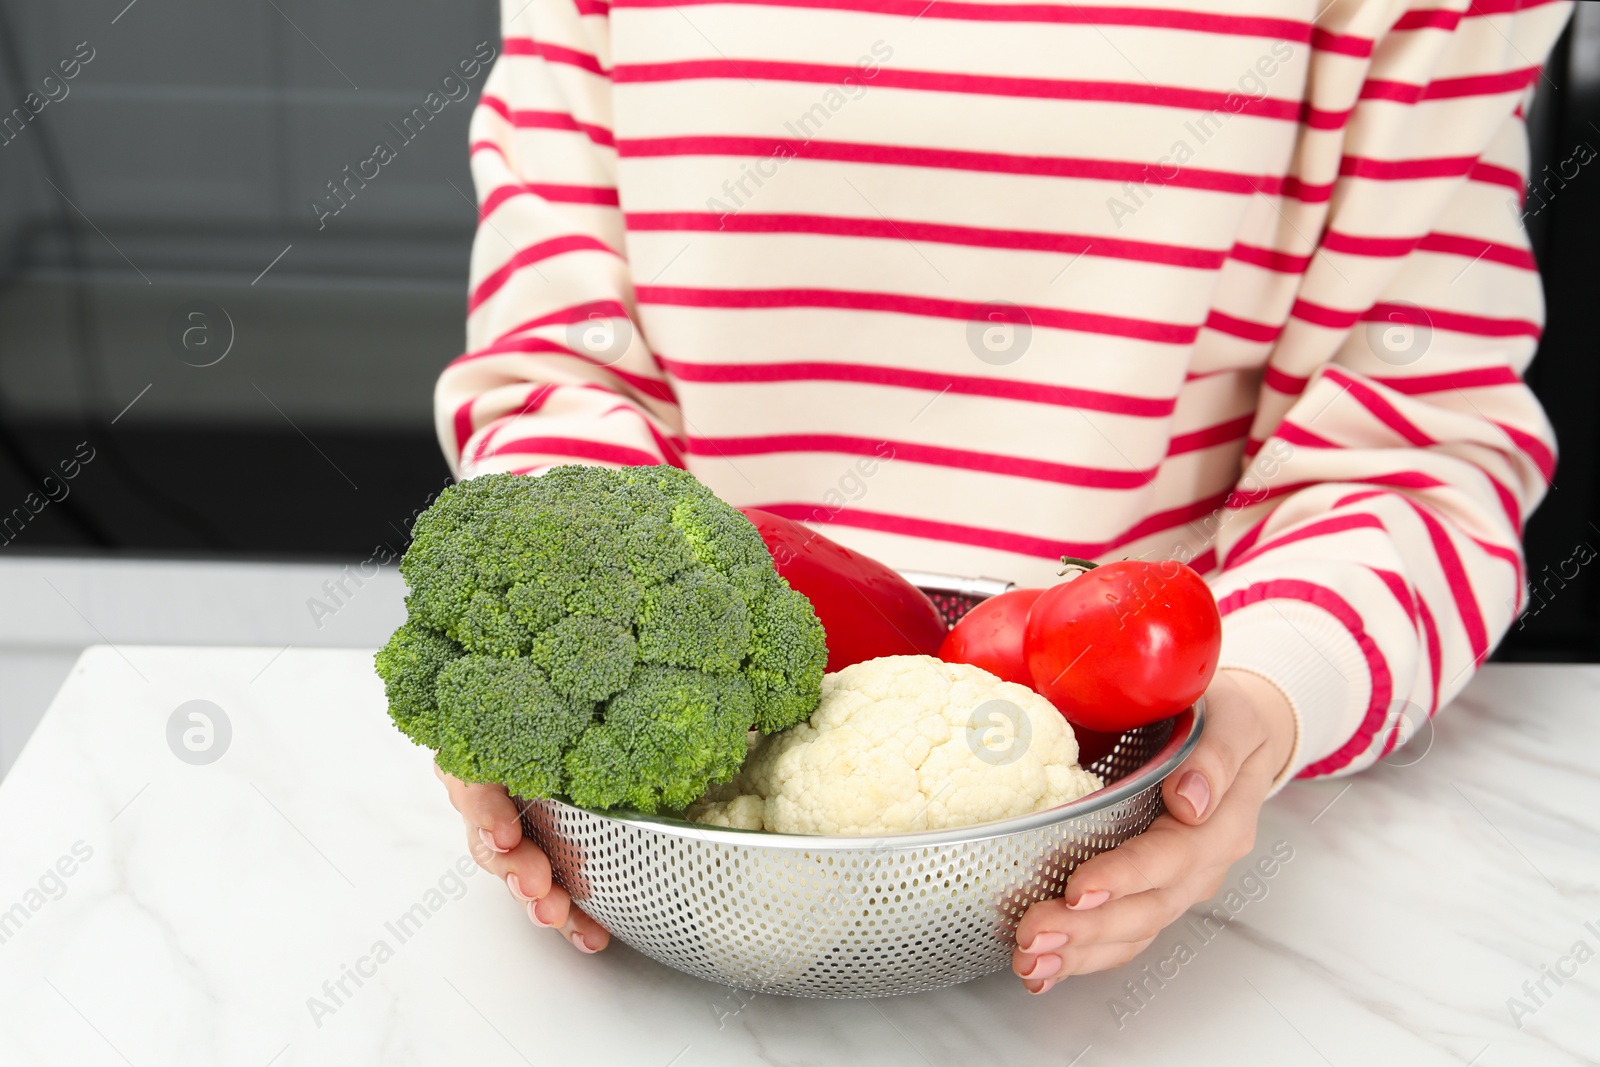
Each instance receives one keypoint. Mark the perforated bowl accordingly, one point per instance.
(850, 916)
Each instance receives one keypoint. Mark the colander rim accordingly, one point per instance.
(1186, 728)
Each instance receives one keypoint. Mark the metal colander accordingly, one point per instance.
(850, 916)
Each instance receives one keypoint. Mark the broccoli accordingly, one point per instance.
(605, 635)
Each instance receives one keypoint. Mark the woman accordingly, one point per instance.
(982, 284)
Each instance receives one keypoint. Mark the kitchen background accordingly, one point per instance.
(252, 374)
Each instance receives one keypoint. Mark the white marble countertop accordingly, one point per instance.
(160, 911)
(58, 605)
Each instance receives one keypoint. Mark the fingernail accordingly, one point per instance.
(1044, 967)
(514, 884)
(1196, 790)
(577, 942)
(1044, 942)
(535, 915)
(1092, 899)
(488, 841)
(1046, 987)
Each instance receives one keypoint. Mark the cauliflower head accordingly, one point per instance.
(905, 743)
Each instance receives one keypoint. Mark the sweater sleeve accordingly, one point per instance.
(1371, 555)
(556, 369)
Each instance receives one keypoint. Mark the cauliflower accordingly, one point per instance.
(905, 743)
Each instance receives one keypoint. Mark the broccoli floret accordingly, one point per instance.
(664, 739)
(786, 664)
(696, 620)
(500, 720)
(587, 658)
(608, 635)
(720, 536)
(409, 665)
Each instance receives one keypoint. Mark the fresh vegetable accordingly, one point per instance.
(605, 635)
(1124, 644)
(867, 610)
(990, 636)
(906, 743)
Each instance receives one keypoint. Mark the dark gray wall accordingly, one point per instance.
(191, 146)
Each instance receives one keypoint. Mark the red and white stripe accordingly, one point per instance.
(796, 214)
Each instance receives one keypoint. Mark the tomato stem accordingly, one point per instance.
(1073, 563)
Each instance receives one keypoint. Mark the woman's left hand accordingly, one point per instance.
(1121, 899)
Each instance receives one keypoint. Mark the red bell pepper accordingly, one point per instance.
(867, 610)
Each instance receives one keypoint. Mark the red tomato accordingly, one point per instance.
(990, 636)
(867, 609)
(1124, 644)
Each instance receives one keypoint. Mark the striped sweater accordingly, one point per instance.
(976, 284)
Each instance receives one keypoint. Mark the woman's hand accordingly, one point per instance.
(494, 837)
(1121, 899)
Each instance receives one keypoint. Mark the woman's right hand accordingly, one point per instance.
(495, 840)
